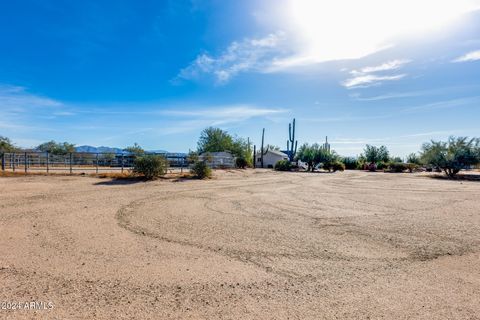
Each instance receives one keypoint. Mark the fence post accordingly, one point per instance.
(3, 161)
(122, 161)
(96, 164)
(14, 160)
(71, 157)
(25, 162)
(48, 162)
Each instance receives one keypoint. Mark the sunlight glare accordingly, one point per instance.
(350, 29)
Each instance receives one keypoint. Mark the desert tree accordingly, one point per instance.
(453, 155)
(56, 148)
(214, 140)
(135, 149)
(6, 145)
(375, 154)
(314, 155)
(307, 153)
(413, 158)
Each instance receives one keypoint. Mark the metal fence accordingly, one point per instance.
(78, 161)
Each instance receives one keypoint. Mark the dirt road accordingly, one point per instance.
(244, 245)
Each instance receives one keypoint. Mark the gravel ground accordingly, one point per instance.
(251, 244)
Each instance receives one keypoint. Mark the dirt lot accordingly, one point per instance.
(244, 245)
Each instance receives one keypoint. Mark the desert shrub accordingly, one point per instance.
(412, 167)
(351, 163)
(283, 165)
(398, 166)
(381, 165)
(334, 166)
(396, 160)
(414, 159)
(150, 166)
(201, 170)
(192, 157)
(241, 162)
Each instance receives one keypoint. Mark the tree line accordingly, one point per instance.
(449, 156)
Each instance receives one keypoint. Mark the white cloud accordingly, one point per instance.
(234, 112)
(389, 65)
(243, 56)
(470, 56)
(375, 75)
(368, 80)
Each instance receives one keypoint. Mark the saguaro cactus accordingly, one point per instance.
(326, 145)
(262, 150)
(291, 142)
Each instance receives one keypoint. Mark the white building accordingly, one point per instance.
(269, 159)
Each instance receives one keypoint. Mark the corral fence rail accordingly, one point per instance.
(71, 162)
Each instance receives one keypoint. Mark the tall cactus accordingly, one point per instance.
(262, 150)
(291, 142)
(326, 145)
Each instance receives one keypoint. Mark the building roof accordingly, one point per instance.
(217, 154)
(276, 152)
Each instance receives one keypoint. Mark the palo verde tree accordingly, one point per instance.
(214, 140)
(217, 140)
(413, 158)
(375, 154)
(453, 155)
(56, 148)
(314, 154)
(307, 153)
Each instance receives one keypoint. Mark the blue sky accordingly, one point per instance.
(113, 73)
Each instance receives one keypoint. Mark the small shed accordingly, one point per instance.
(223, 159)
(269, 159)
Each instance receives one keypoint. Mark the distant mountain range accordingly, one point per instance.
(108, 150)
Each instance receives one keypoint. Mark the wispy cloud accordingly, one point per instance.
(16, 97)
(445, 104)
(358, 97)
(375, 75)
(233, 112)
(470, 56)
(389, 65)
(218, 116)
(369, 80)
(247, 55)
(458, 90)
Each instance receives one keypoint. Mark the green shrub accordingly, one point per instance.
(150, 166)
(382, 165)
(412, 167)
(351, 163)
(398, 166)
(201, 170)
(283, 165)
(241, 162)
(334, 166)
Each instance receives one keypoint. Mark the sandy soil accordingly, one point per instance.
(245, 245)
